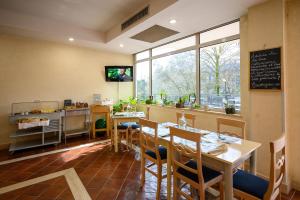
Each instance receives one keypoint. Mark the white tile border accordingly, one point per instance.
(52, 152)
(77, 188)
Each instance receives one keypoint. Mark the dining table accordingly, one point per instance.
(220, 152)
(122, 117)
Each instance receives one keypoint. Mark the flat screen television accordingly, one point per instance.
(119, 73)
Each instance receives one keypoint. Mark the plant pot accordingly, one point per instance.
(230, 110)
(179, 105)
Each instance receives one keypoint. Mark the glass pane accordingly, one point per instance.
(180, 44)
(219, 33)
(220, 74)
(142, 80)
(142, 55)
(174, 75)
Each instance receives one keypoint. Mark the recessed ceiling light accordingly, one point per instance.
(121, 45)
(173, 21)
(71, 39)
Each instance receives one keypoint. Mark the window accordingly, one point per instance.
(141, 56)
(142, 80)
(174, 75)
(220, 74)
(180, 44)
(220, 33)
(174, 68)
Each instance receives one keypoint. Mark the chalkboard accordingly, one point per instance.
(265, 69)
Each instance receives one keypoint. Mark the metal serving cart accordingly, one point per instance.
(33, 133)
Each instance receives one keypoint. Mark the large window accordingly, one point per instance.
(220, 74)
(173, 46)
(206, 63)
(174, 75)
(142, 80)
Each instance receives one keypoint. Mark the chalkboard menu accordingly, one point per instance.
(265, 69)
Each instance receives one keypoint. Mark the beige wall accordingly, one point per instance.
(39, 70)
(292, 88)
(265, 108)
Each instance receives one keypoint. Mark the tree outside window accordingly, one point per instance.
(174, 75)
(220, 74)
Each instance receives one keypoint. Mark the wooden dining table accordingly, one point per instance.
(219, 152)
(120, 117)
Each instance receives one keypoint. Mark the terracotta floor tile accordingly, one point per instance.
(53, 191)
(105, 174)
(27, 197)
(108, 193)
(66, 195)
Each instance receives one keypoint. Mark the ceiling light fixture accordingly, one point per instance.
(121, 45)
(173, 21)
(71, 39)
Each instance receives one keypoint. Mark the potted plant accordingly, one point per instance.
(149, 100)
(229, 109)
(163, 97)
(180, 103)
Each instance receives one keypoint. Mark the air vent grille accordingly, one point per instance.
(135, 18)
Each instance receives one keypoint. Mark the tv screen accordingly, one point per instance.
(119, 73)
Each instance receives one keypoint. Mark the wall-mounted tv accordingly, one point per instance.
(119, 73)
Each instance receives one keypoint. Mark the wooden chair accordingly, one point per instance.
(123, 132)
(248, 186)
(192, 172)
(232, 123)
(153, 152)
(189, 117)
(134, 129)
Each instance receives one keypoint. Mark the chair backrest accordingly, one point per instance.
(277, 168)
(149, 139)
(148, 113)
(189, 117)
(125, 107)
(232, 123)
(180, 153)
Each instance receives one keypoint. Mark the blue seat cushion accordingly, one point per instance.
(250, 184)
(162, 153)
(122, 127)
(208, 174)
(133, 125)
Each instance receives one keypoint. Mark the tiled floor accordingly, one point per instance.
(105, 175)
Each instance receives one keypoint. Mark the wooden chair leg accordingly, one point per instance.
(221, 189)
(143, 171)
(176, 183)
(127, 140)
(159, 179)
(131, 145)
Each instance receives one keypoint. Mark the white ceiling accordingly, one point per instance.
(98, 15)
(88, 21)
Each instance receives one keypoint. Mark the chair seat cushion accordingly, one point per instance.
(162, 153)
(208, 174)
(250, 184)
(133, 125)
(122, 127)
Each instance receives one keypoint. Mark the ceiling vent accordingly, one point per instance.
(154, 34)
(135, 18)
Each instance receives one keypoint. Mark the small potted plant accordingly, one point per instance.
(149, 100)
(180, 103)
(163, 97)
(229, 109)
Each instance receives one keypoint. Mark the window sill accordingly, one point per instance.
(210, 111)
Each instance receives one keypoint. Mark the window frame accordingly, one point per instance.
(195, 47)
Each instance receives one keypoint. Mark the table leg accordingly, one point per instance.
(228, 182)
(116, 135)
(169, 173)
(253, 162)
